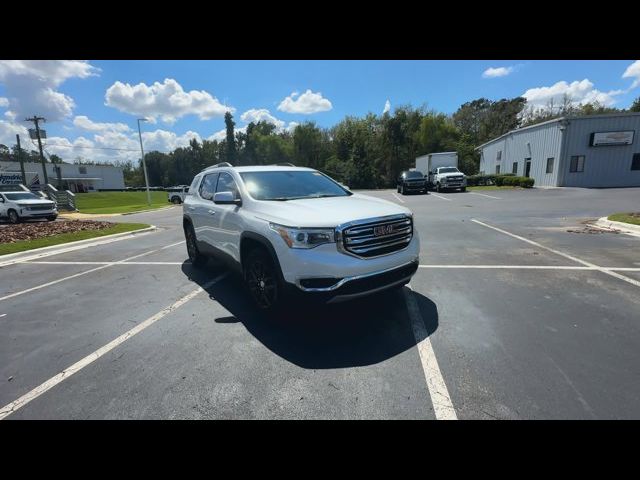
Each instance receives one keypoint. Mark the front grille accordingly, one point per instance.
(377, 281)
(40, 207)
(365, 239)
(454, 179)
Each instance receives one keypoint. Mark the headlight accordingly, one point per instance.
(303, 237)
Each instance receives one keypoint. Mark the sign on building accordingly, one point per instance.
(601, 139)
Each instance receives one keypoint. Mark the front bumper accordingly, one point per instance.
(349, 288)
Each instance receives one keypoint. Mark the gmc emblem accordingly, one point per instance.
(382, 230)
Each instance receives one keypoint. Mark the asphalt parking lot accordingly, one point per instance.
(517, 312)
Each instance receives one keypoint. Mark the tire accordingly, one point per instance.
(262, 281)
(402, 190)
(397, 188)
(198, 260)
(13, 216)
(176, 200)
(463, 189)
(52, 218)
(438, 189)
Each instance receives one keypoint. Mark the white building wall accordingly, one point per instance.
(110, 177)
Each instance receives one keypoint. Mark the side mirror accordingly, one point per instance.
(226, 198)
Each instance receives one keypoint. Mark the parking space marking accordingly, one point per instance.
(442, 405)
(604, 270)
(92, 357)
(524, 267)
(74, 248)
(483, 195)
(79, 274)
(3, 315)
(106, 263)
(440, 196)
(393, 193)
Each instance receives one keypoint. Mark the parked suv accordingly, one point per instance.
(295, 231)
(21, 205)
(411, 181)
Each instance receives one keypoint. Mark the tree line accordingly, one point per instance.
(365, 152)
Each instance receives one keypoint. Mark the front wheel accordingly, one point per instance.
(196, 258)
(175, 200)
(52, 218)
(438, 189)
(261, 279)
(463, 189)
(401, 189)
(13, 216)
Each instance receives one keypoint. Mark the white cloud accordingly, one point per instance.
(387, 107)
(633, 71)
(30, 86)
(85, 123)
(578, 91)
(4, 102)
(261, 115)
(492, 72)
(308, 102)
(8, 131)
(166, 100)
(165, 141)
(291, 127)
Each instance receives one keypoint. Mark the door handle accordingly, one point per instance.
(211, 212)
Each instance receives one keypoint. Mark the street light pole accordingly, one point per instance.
(144, 164)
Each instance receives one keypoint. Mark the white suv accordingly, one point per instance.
(291, 230)
(21, 205)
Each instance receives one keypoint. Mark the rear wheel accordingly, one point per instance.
(175, 200)
(197, 259)
(13, 216)
(261, 278)
(52, 218)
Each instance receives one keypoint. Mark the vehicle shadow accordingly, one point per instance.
(350, 334)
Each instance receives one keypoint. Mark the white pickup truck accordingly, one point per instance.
(448, 178)
(20, 205)
(176, 195)
(295, 231)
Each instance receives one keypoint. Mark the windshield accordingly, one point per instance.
(291, 185)
(449, 170)
(20, 196)
(413, 175)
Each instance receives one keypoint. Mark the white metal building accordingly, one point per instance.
(77, 178)
(589, 151)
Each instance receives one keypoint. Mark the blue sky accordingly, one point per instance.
(95, 103)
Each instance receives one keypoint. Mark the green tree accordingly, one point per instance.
(635, 106)
(230, 138)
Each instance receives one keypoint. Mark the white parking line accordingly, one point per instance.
(440, 196)
(483, 195)
(106, 263)
(442, 405)
(3, 315)
(101, 267)
(607, 271)
(74, 248)
(92, 357)
(393, 193)
(524, 267)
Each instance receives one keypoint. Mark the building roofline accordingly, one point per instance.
(575, 117)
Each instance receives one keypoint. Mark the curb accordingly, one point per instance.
(623, 227)
(9, 258)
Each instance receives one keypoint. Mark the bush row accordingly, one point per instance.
(506, 179)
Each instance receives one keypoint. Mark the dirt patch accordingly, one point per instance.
(31, 231)
(590, 229)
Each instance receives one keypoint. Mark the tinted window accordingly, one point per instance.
(21, 196)
(290, 185)
(635, 163)
(412, 175)
(514, 170)
(208, 186)
(550, 165)
(448, 170)
(577, 163)
(227, 184)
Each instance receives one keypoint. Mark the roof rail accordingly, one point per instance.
(283, 164)
(218, 165)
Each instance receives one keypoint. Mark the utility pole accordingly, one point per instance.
(24, 175)
(35, 119)
(144, 164)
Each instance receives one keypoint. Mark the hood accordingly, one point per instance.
(452, 174)
(326, 212)
(35, 201)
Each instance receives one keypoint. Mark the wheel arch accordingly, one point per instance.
(250, 240)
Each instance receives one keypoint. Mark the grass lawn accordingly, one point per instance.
(489, 187)
(23, 245)
(119, 202)
(632, 218)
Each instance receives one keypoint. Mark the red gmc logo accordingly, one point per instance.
(383, 230)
